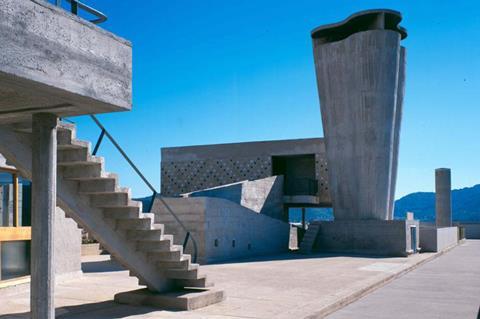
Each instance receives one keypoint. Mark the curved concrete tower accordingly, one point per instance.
(360, 67)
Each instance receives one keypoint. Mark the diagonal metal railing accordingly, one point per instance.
(105, 133)
(76, 5)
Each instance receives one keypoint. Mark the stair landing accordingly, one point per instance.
(185, 299)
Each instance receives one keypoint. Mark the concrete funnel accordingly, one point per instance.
(360, 68)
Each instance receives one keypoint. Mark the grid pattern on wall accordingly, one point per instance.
(188, 176)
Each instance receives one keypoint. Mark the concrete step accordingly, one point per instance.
(183, 263)
(154, 245)
(74, 144)
(125, 212)
(82, 171)
(134, 223)
(73, 155)
(99, 185)
(151, 234)
(66, 133)
(183, 274)
(172, 255)
(93, 160)
(177, 300)
(200, 282)
(116, 199)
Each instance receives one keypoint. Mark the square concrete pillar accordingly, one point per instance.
(443, 197)
(44, 193)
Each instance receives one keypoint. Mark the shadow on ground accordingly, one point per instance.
(101, 266)
(97, 310)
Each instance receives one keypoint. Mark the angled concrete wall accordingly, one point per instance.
(264, 196)
(358, 65)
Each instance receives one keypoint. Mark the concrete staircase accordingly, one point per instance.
(94, 199)
(306, 246)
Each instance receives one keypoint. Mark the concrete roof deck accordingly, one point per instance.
(285, 286)
(52, 61)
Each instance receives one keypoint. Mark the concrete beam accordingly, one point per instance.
(44, 192)
(443, 197)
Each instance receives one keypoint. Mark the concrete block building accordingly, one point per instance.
(302, 162)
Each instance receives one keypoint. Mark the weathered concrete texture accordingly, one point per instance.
(358, 85)
(434, 239)
(264, 196)
(311, 286)
(396, 130)
(472, 229)
(443, 197)
(222, 229)
(193, 168)
(376, 237)
(44, 199)
(53, 61)
(447, 287)
(67, 245)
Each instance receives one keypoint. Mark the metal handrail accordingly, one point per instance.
(75, 5)
(104, 132)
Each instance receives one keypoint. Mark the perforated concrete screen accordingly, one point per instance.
(193, 168)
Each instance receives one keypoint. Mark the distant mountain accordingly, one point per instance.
(465, 205)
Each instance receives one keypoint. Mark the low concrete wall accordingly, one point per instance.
(234, 232)
(67, 245)
(263, 196)
(472, 229)
(433, 239)
(223, 229)
(376, 237)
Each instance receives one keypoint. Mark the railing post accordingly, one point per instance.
(99, 141)
(151, 202)
(185, 241)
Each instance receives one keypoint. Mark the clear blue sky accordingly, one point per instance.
(230, 71)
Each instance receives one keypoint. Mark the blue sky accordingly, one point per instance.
(209, 72)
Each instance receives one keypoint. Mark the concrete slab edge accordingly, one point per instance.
(367, 290)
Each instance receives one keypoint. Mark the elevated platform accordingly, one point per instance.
(52, 61)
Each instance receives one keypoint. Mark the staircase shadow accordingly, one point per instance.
(101, 266)
(97, 310)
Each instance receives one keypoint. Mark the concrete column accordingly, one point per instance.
(44, 192)
(358, 66)
(443, 197)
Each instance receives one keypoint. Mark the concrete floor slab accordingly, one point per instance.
(284, 286)
(447, 287)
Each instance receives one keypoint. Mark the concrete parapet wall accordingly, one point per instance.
(472, 229)
(376, 237)
(433, 239)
